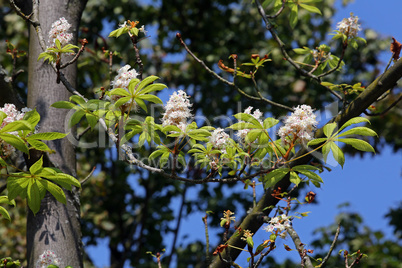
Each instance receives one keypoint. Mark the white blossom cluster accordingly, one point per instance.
(124, 76)
(59, 31)
(278, 224)
(349, 26)
(219, 138)
(122, 79)
(241, 134)
(299, 125)
(177, 110)
(47, 258)
(12, 115)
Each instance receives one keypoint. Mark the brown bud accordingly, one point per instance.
(178, 36)
(310, 196)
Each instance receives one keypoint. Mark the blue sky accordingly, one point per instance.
(359, 181)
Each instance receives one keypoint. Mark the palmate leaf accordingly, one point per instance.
(358, 144)
(34, 197)
(355, 120)
(240, 126)
(294, 178)
(16, 125)
(274, 177)
(364, 131)
(270, 122)
(5, 213)
(15, 141)
(248, 118)
(293, 18)
(145, 82)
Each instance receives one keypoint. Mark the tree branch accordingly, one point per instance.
(254, 220)
(305, 260)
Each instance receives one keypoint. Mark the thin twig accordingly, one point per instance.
(324, 261)
(87, 177)
(278, 12)
(207, 255)
(83, 43)
(134, 40)
(386, 110)
(220, 78)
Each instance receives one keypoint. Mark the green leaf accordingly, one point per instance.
(171, 128)
(248, 118)
(240, 126)
(309, 8)
(141, 103)
(151, 98)
(146, 81)
(55, 190)
(77, 99)
(38, 145)
(17, 186)
(164, 158)
(294, 178)
(47, 136)
(329, 129)
(270, 122)
(337, 153)
(15, 141)
(301, 51)
(311, 175)
(4, 213)
(364, 131)
(252, 135)
(119, 92)
(355, 120)
(304, 167)
(155, 154)
(2, 162)
(153, 87)
(76, 117)
(33, 197)
(92, 120)
(32, 117)
(358, 144)
(15, 126)
(63, 105)
(37, 166)
(316, 141)
(325, 150)
(293, 15)
(275, 176)
(63, 179)
(122, 101)
(250, 242)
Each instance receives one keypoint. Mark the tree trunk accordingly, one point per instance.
(55, 227)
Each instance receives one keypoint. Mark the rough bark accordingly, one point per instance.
(56, 226)
(254, 220)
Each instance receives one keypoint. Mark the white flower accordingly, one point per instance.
(122, 79)
(59, 31)
(142, 29)
(241, 134)
(278, 224)
(47, 258)
(219, 138)
(349, 26)
(12, 115)
(299, 126)
(177, 110)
